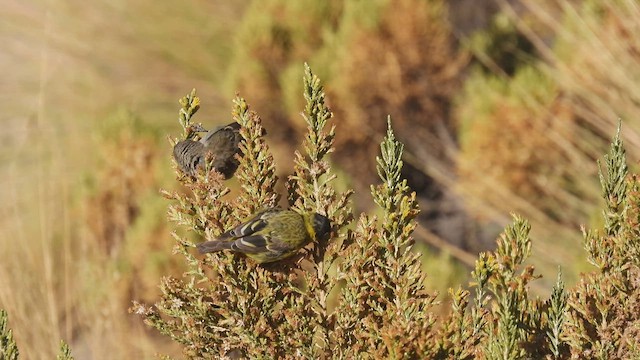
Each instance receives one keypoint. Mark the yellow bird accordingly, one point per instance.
(271, 235)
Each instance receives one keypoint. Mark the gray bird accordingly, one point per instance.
(222, 142)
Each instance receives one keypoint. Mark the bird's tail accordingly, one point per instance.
(213, 246)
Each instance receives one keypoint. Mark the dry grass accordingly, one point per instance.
(596, 59)
(66, 66)
(530, 140)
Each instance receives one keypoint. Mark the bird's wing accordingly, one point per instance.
(259, 244)
(258, 222)
(234, 127)
(252, 244)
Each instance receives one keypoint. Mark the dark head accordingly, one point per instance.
(321, 225)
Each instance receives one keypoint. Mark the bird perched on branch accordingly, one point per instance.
(271, 235)
(222, 142)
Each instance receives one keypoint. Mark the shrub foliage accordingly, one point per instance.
(362, 292)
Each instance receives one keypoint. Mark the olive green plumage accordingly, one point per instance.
(222, 142)
(271, 235)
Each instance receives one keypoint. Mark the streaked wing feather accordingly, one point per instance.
(251, 226)
(253, 244)
(277, 246)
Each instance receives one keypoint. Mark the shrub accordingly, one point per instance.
(362, 293)
(8, 348)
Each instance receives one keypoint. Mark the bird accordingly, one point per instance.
(271, 234)
(222, 142)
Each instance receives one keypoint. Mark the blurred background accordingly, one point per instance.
(504, 106)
